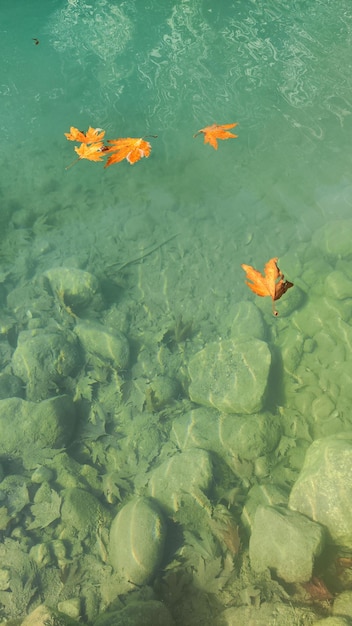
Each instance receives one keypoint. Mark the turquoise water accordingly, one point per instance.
(165, 240)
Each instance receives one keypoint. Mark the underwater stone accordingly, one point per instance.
(323, 490)
(186, 474)
(266, 495)
(338, 286)
(343, 604)
(334, 238)
(45, 616)
(107, 345)
(247, 322)
(74, 287)
(25, 426)
(265, 614)
(43, 361)
(285, 541)
(137, 539)
(83, 515)
(10, 386)
(138, 613)
(231, 376)
(249, 437)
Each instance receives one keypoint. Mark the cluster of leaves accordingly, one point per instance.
(132, 149)
(93, 148)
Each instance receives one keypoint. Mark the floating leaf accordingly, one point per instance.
(93, 135)
(216, 131)
(92, 152)
(271, 284)
(129, 148)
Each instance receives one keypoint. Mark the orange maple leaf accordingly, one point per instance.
(272, 284)
(131, 149)
(93, 135)
(94, 152)
(216, 131)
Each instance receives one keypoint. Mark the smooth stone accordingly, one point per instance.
(247, 322)
(108, 345)
(185, 474)
(10, 386)
(43, 616)
(342, 606)
(338, 286)
(26, 426)
(43, 360)
(334, 238)
(83, 516)
(285, 541)
(265, 495)
(231, 376)
(137, 538)
(138, 613)
(251, 436)
(323, 490)
(75, 288)
(332, 621)
(263, 614)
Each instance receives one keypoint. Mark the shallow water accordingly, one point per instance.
(282, 71)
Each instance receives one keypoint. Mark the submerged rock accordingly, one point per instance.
(83, 516)
(334, 238)
(45, 616)
(231, 376)
(185, 477)
(323, 490)
(44, 359)
(137, 539)
(286, 542)
(75, 288)
(107, 345)
(138, 613)
(27, 426)
(248, 437)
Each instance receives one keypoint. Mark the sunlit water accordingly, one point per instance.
(281, 70)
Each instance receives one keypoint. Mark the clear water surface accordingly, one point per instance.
(282, 71)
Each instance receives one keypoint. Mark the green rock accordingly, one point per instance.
(332, 621)
(343, 604)
(338, 286)
(247, 322)
(185, 475)
(28, 426)
(137, 538)
(251, 436)
(10, 386)
(43, 360)
(334, 238)
(83, 516)
(323, 490)
(231, 376)
(74, 288)
(285, 541)
(108, 345)
(142, 613)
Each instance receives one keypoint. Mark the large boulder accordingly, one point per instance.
(184, 478)
(323, 490)
(103, 343)
(286, 542)
(27, 426)
(43, 360)
(231, 375)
